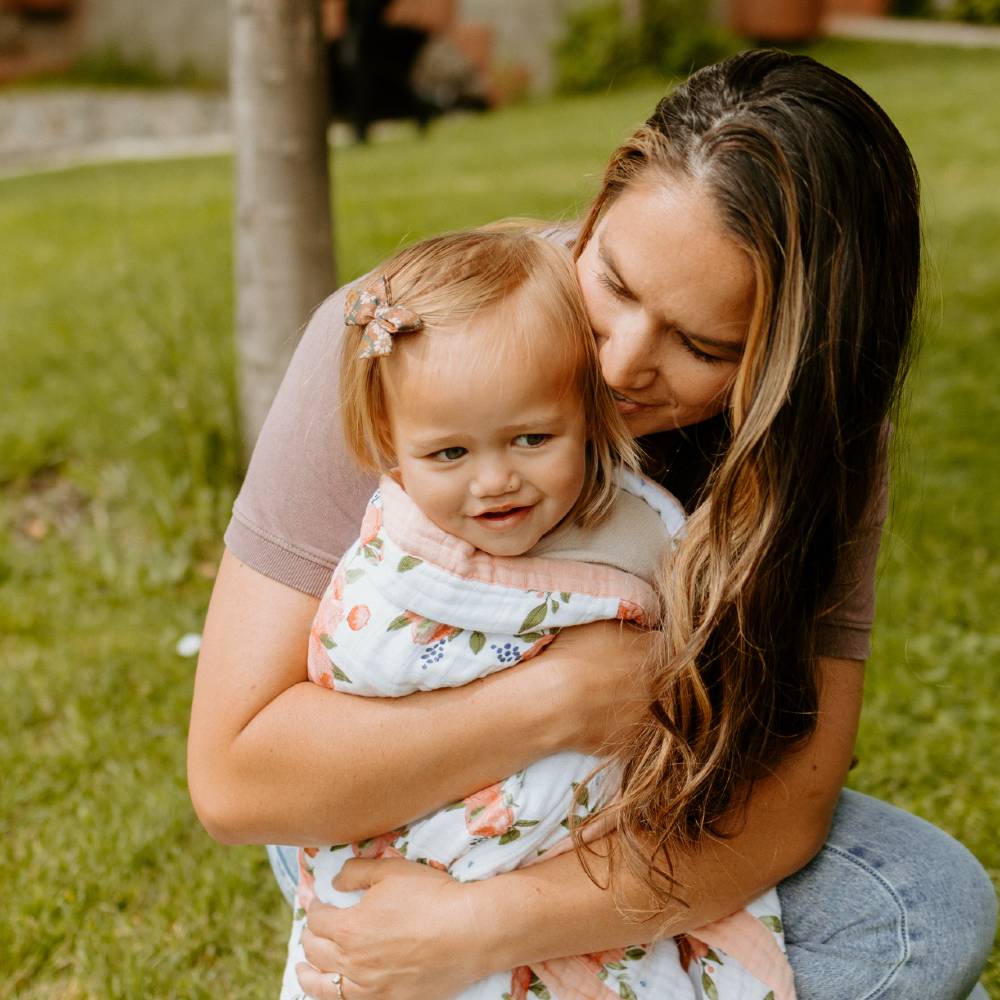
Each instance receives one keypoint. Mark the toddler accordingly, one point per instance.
(508, 508)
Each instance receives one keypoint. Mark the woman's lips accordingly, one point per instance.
(626, 406)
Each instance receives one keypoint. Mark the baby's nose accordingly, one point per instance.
(494, 479)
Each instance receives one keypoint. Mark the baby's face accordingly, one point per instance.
(492, 454)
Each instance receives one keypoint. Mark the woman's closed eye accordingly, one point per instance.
(616, 288)
(531, 440)
(448, 454)
(689, 346)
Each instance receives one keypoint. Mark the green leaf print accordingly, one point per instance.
(633, 954)
(565, 596)
(476, 642)
(531, 636)
(625, 991)
(373, 550)
(555, 606)
(772, 923)
(539, 988)
(339, 675)
(526, 822)
(328, 643)
(460, 804)
(535, 618)
(407, 563)
(770, 996)
(708, 985)
(713, 957)
(512, 834)
(581, 794)
(400, 621)
(619, 966)
(355, 574)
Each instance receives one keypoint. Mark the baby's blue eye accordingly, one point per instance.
(531, 440)
(449, 454)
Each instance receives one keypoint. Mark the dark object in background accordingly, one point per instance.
(372, 72)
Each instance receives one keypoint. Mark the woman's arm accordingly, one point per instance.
(552, 909)
(558, 911)
(273, 758)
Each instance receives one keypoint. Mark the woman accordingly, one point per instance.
(750, 269)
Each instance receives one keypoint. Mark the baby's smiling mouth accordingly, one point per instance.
(502, 514)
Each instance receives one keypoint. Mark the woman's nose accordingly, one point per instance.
(627, 352)
(494, 478)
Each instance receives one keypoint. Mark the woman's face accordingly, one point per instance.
(669, 295)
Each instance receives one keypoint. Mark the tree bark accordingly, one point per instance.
(283, 248)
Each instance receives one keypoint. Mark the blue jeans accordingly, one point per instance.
(891, 908)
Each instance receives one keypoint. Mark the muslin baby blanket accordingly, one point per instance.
(412, 608)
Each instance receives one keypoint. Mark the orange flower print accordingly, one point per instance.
(486, 813)
(520, 980)
(598, 959)
(628, 611)
(358, 617)
(423, 631)
(536, 648)
(371, 524)
(377, 847)
(307, 881)
(691, 950)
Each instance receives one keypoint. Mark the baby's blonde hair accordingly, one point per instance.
(449, 279)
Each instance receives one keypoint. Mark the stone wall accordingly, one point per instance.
(171, 35)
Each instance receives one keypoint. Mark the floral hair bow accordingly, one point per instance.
(380, 318)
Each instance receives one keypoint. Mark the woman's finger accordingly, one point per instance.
(322, 952)
(323, 985)
(324, 919)
(359, 874)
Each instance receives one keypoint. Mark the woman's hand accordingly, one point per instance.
(413, 935)
(596, 672)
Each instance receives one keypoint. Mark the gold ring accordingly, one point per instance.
(337, 978)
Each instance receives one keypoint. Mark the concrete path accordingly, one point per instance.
(50, 129)
(903, 29)
(45, 130)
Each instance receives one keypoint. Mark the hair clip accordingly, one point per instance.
(380, 318)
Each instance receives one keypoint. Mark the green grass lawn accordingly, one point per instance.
(118, 463)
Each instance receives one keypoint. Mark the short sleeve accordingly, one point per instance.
(844, 629)
(304, 495)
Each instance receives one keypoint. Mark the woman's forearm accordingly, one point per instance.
(273, 758)
(329, 766)
(553, 909)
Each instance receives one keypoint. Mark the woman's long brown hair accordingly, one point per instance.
(813, 181)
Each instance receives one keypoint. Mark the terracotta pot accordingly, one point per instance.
(776, 20)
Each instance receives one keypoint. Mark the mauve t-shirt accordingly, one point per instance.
(303, 497)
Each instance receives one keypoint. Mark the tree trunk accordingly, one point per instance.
(282, 232)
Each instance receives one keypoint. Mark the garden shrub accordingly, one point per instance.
(598, 51)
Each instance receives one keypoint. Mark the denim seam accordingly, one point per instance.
(904, 940)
